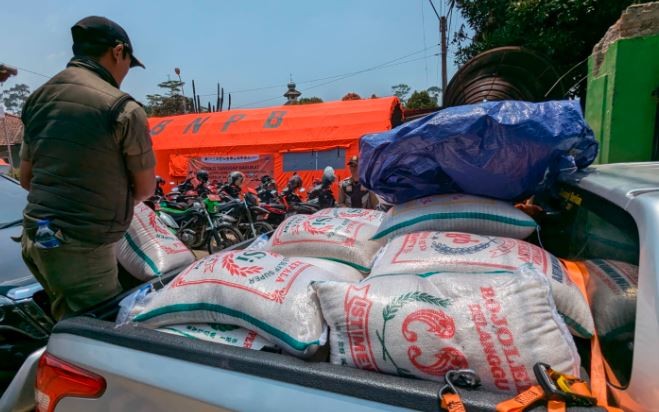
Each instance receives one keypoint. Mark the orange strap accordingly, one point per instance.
(556, 406)
(522, 401)
(579, 275)
(452, 403)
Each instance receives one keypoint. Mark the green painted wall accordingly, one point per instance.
(619, 103)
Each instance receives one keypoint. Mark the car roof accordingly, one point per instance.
(618, 182)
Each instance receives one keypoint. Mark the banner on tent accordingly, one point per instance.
(219, 167)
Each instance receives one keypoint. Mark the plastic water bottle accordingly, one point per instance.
(45, 237)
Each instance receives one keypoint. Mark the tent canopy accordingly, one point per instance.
(180, 142)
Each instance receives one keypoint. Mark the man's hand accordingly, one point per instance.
(26, 174)
(144, 184)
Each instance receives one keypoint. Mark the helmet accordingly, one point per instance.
(295, 182)
(235, 176)
(328, 175)
(159, 180)
(265, 179)
(202, 175)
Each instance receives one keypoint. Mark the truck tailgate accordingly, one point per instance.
(149, 370)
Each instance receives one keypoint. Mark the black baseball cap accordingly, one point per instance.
(101, 30)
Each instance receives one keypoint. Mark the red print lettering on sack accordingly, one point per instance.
(440, 325)
(357, 308)
(487, 343)
(234, 269)
(461, 238)
(506, 340)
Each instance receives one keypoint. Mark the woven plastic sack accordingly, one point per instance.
(149, 249)
(369, 216)
(424, 252)
(612, 288)
(260, 291)
(344, 240)
(219, 333)
(458, 213)
(423, 326)
(345, 271)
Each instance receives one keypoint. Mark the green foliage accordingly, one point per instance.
(15, 97)
(565, 31)
(309, 100)
(171, 103)
(351, 96)
(401, 91)
(434, 92)
(421, 100)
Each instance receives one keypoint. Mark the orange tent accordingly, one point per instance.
(277, 141)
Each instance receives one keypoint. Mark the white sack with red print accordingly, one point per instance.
(500, 325)
(344, 240)
(368, 216)
(149, 249)
(260, 291)
(219, 333)
(423, 252)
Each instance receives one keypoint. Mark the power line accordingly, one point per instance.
(434, 9)
(327, 77)
(385, 66)
(423, 30)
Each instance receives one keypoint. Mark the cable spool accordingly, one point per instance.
(505, 73)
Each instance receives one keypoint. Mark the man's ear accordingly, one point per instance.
(117, 52)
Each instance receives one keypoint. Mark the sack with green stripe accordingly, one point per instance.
(149, 249)
(457, 252)
(219, 333)
(423, 326)
(343, 240)
(260, 291)
(457, 213)
(612, 288)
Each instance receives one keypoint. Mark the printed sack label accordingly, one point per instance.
(344, 240)
(423, 252)
(260, 291)
(424, 326)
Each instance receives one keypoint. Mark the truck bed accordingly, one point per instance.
(347, 384)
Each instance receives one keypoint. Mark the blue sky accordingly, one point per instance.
(242, 44)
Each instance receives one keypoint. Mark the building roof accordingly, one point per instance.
(14, 129)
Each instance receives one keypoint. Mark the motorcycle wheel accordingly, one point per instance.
(223, 237)
(259, 227)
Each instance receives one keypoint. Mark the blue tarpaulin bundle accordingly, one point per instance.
(502, 149)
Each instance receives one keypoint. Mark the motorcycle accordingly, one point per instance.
(200, 222)
(321, 193)
(251, 220)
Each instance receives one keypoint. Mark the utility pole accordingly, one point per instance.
(443, 45)
(178, 73)
(442, 30)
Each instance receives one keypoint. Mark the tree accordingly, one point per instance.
(351, 96)
(421, 100)
(401, 91)
(309, 100)
(434, 92)
(563, 31)
(15, 98)
(171, 103)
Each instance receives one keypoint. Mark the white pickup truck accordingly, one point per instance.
(92, 365)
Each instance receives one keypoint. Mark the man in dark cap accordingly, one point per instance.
(86, 160)
(352, 193)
